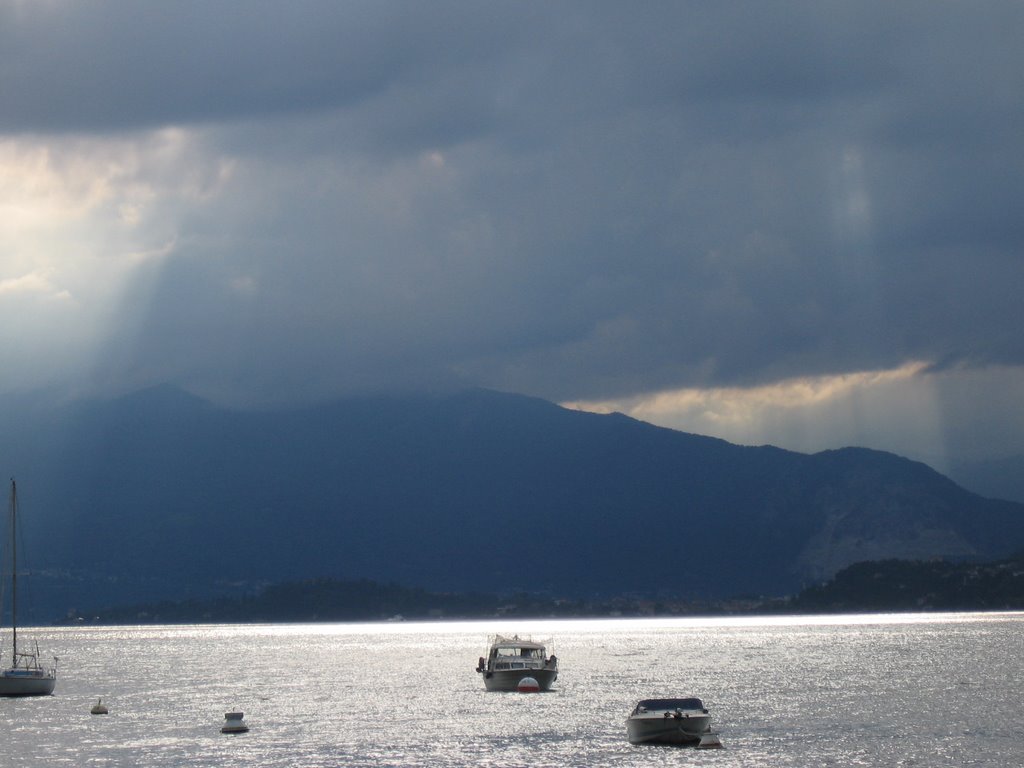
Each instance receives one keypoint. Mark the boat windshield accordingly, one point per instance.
(658, 704)
(519, 651)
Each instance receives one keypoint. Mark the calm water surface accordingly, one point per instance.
(918, 690)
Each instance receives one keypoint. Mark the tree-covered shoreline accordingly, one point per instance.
(877, 586)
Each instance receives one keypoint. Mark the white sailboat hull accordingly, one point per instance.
(26, 676)
(18, 683)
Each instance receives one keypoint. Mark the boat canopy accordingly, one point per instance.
(502, 643)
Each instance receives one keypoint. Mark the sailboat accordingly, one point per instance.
(26, 676)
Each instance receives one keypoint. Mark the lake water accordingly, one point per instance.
(911, 690)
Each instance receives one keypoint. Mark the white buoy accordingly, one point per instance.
(98, 708)
(528, 685)
(233, 723)
(710, 740)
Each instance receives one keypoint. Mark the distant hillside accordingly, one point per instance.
(161, 495)
(898, 585)
(330, 600)
(872, 587)
(305, 601)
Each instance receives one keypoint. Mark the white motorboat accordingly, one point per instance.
(234, 723)
(668, 721)
(510, 659)
(26, 676)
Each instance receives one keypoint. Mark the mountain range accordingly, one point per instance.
(160, 494)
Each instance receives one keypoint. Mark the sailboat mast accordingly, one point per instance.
(14, 572)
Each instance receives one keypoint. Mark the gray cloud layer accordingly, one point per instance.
(575, 200)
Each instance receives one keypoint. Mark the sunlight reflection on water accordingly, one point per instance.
(922, 689)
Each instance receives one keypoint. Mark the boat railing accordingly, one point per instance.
(28, 662)
(524, 664)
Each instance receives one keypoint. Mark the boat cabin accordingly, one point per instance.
(513, 653)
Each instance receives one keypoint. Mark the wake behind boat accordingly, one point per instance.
(510, 659)
(26, 676)
(668, 721)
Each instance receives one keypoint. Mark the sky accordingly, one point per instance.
(795, 223)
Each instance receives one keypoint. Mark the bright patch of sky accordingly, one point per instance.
(940, 414)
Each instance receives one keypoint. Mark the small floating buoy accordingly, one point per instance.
(233, 723)
(98, 708)
(528, 685)
(710, 740)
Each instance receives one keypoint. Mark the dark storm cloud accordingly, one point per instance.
(111, 66)
(568, 199)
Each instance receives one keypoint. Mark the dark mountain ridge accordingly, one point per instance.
(160, 494)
